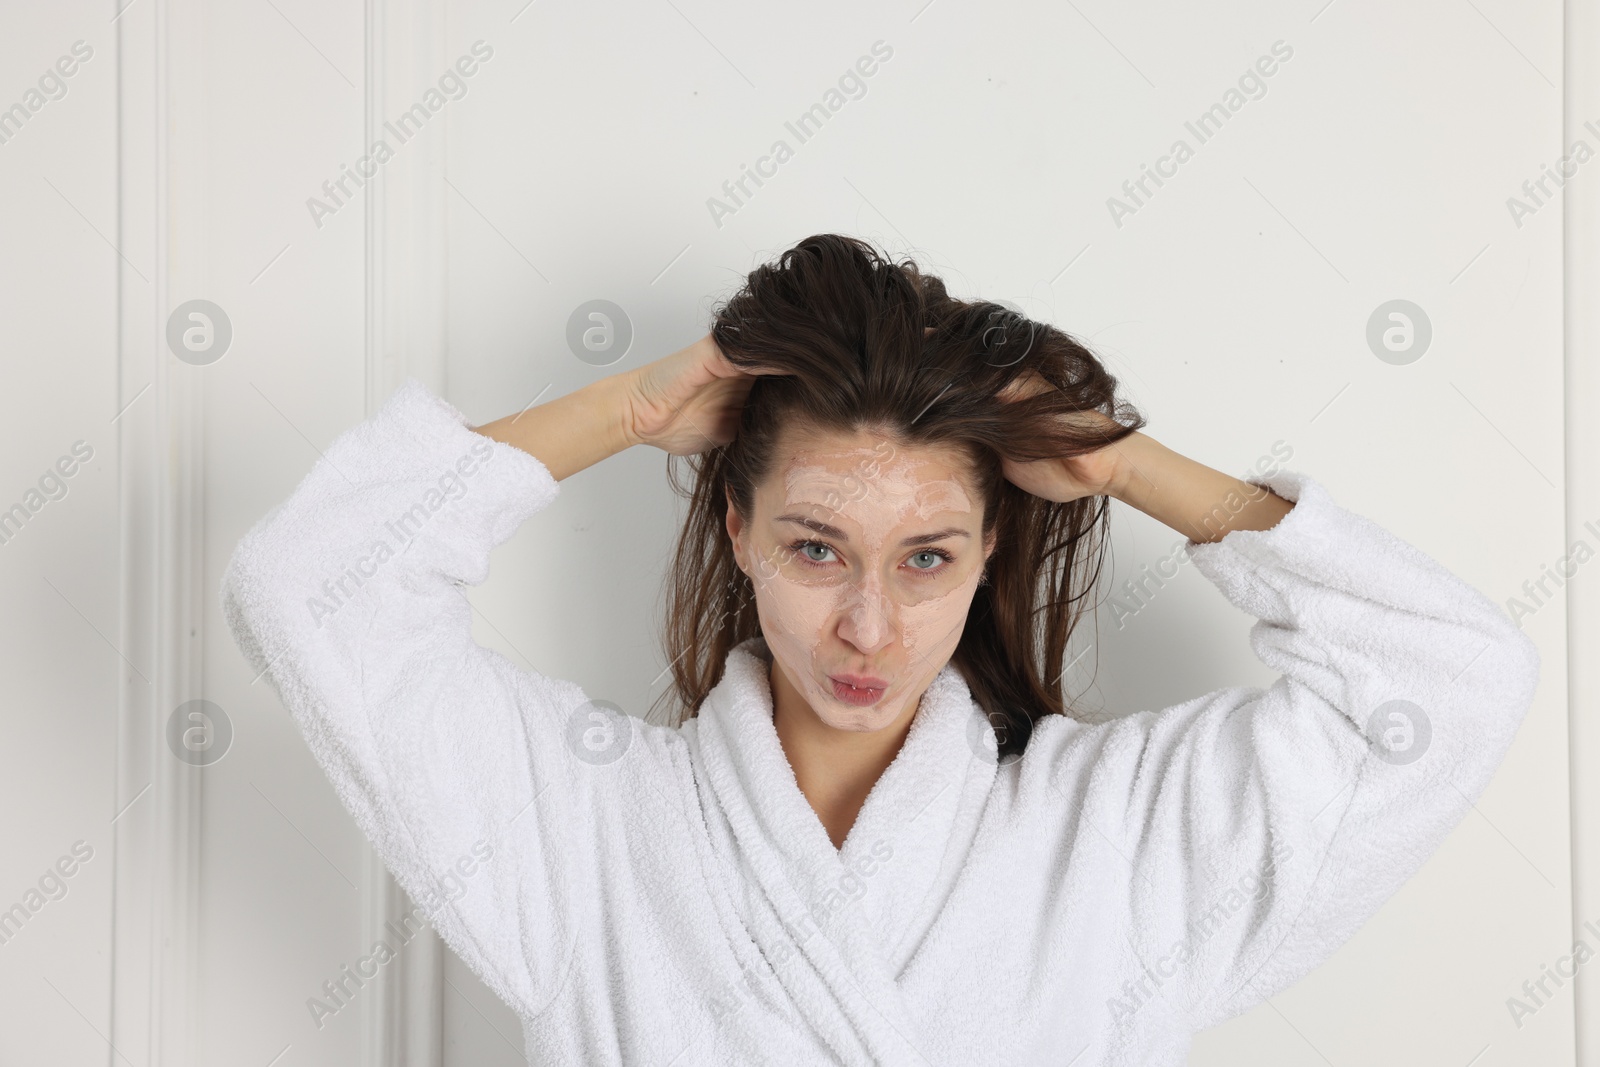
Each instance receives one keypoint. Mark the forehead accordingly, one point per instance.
(870, 468)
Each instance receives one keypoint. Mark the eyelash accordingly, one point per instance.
(796, 546)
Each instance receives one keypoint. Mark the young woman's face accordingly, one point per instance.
(864, 556)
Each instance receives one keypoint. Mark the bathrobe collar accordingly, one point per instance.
(872, 901)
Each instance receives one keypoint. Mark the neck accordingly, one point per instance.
(835, 769)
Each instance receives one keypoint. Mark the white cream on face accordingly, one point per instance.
(869, 605)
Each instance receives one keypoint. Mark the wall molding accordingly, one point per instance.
(405, 207)
(1580, 279)
(162, 595)
(405, 338)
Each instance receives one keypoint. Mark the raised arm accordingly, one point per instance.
(477, 781)
(682, 404)
(492, 793)
(574, 431)
(451, 760)
(1262, 827)
(1198, 501)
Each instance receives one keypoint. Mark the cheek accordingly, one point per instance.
(795, 611)
(794, 619)
(935, 623)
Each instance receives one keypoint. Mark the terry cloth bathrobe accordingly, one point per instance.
(646, 895)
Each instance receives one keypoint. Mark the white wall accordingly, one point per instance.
(60, 646)
(1233, 305)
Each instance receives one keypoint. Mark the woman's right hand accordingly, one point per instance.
(687, 402)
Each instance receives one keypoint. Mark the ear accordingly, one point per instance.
(734, 524)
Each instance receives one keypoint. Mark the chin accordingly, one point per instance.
(857, 720)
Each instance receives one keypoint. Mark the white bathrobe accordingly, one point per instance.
(644, 895)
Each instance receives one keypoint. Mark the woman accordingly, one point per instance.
(871, 835)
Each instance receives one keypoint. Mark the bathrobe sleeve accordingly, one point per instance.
(477, 782)
(1265, 826)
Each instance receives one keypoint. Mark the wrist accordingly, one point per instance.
(615, 396)
(1128, 483)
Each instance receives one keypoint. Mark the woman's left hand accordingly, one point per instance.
(1196, 500)
(1067, 478)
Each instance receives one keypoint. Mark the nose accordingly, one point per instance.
(868, 616)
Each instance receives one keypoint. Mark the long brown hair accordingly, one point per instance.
(845, 328)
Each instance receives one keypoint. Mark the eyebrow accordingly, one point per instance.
(839, 535)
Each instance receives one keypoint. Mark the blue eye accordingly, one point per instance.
(800, 547)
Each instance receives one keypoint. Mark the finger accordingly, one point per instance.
(1031, 384)
(758, 371)
(724, 367)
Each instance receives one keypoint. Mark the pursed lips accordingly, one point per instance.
(860, 681)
